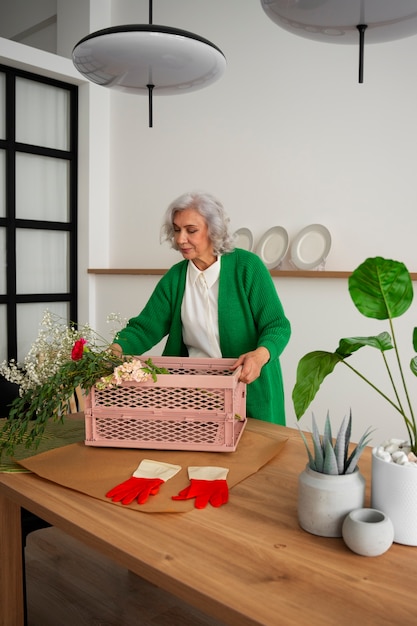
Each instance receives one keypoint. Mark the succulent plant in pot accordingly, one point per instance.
(333, 456)
(380, 289)
(331, 485)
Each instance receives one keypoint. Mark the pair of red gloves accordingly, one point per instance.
(207, 484)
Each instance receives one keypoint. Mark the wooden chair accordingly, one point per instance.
(77, 401)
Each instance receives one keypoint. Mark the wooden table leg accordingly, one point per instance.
(11, 574)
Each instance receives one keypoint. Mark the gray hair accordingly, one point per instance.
(213, 212)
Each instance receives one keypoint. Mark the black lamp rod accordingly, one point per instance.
(361, 28)
(150, 100)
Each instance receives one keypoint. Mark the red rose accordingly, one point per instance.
(78, 349)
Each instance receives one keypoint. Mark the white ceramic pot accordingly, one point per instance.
(394, 491)
(324, 500)
(368, 532)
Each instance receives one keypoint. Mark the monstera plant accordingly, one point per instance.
(381, 289)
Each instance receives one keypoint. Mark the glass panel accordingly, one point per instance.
(29, 317)
(3, 333)
(2, 106)
(2, 261)
(42, 188)
(42, 114)
(2, 183)
(42, 261)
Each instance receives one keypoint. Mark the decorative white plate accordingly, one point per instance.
(273, 246)
(244, 239)
(311, 247)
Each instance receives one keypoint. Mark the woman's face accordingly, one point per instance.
(191, 237)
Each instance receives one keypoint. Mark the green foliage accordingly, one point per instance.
(30, 412)
(63, 359)
(153, 370)
(332, 457)
(380, 289)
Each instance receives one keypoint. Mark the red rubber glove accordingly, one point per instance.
(135, 488)
(144, 482)
(207, 485)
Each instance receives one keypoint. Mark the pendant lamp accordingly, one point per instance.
(345, 21)
(148, 59)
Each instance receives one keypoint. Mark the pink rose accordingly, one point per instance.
(78, 349)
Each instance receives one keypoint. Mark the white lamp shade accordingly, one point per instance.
(132, 57)
(336, 21)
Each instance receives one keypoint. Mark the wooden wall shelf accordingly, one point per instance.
(283, 273)
(274, 273)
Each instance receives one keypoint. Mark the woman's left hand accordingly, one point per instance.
(252, 363)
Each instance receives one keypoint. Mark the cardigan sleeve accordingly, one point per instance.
(158, 318)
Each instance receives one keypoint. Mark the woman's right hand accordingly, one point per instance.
(252, 363)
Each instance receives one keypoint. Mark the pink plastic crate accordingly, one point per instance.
(199, 405)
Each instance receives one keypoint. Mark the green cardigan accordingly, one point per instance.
(250, 315)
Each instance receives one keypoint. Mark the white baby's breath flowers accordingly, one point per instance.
(51, 349)
(117, 322)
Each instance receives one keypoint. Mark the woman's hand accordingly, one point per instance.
(116, 349)
(252, 363)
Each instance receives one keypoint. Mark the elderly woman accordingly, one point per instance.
(220, 301)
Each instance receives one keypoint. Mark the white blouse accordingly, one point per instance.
(200, 325)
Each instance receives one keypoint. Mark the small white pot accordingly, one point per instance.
(324, 500)
(368, 532)
(394, 491)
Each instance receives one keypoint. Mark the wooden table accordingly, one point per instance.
(246, 563)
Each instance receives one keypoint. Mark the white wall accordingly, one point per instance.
(21, 19)
(287, 137)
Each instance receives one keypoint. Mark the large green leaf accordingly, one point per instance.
(349, 345)
(413, 363)
(311, 371)
(381, 288)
